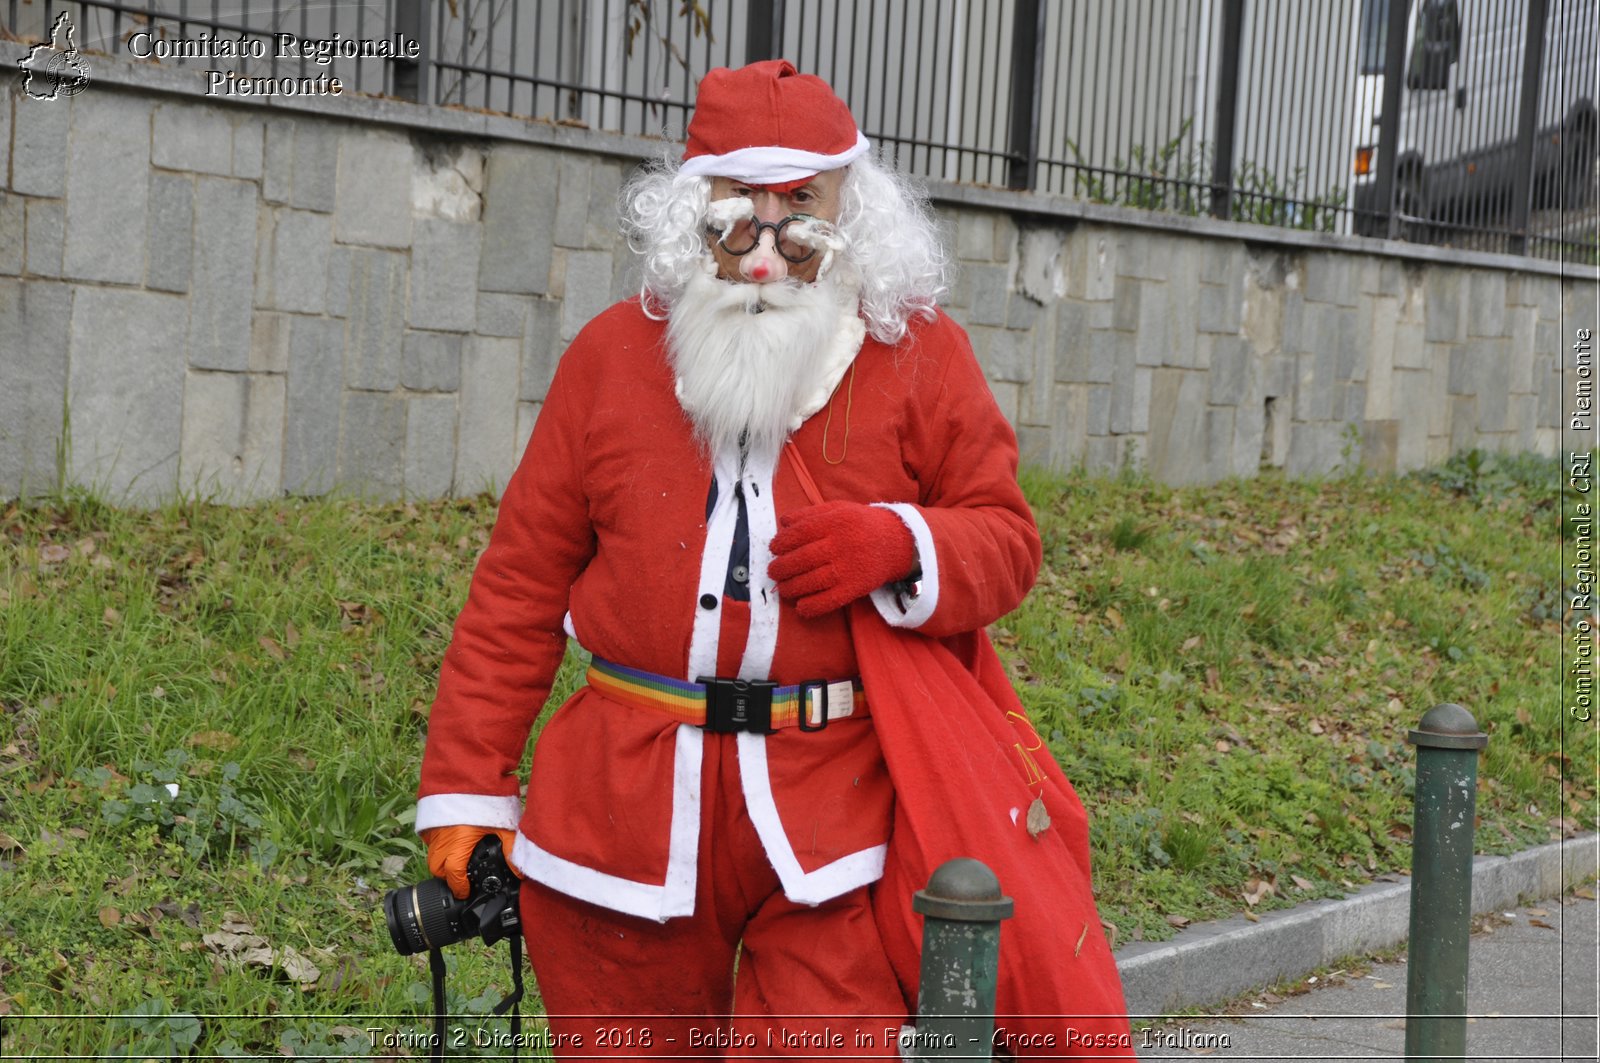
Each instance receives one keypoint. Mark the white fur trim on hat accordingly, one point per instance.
(772, 166)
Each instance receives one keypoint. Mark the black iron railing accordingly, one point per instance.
(1470, 123)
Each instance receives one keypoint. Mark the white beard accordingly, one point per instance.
(759, 375)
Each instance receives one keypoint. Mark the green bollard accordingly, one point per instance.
(1447, 741)
(962, 909)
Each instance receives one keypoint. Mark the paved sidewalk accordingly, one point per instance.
(1208, 964)
(1522, 977)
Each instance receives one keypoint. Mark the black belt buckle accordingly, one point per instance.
(803, 717)
(735, 705)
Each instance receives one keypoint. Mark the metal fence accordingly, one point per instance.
(1463, 122)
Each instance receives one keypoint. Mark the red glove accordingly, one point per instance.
(826, 556)
(449, 849)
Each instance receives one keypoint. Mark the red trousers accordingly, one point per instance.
(810, 981)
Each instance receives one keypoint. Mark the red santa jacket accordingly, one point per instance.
(604, 533)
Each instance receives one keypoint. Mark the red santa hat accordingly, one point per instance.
(767, 124)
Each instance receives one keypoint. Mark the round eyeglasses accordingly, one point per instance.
(743, 235)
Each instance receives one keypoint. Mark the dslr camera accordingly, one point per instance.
(429, 916)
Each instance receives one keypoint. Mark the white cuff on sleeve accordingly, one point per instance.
(475, 810)
(919, 608)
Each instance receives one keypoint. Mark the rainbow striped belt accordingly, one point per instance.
(730, 705)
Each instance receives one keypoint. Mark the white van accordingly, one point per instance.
(1459, 109)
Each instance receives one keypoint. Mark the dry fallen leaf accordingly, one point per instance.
(109, 916)
(235, 923)
(54, 554)
(1038, 818)
(1081, 935)
(219, 740)
(1191, 642)
(228, 942)
(238, 942)
(1540, 923)
(189, 916)
(1179, 921)
(352, 614)
(1257, 889)
(1303, 883)
(1114, 616)
(294, 966)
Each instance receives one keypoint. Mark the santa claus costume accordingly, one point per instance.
(715, 798)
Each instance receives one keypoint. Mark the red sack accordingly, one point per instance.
(967, 769)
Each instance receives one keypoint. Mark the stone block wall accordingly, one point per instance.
(221, 302)
(1199, 357)
(242, 300)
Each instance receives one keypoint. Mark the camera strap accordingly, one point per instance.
(513, 1000)
(436, 966)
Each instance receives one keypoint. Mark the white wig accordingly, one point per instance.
(892, 248)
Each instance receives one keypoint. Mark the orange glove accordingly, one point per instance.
(449, 849)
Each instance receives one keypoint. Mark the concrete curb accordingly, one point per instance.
(1214, 962)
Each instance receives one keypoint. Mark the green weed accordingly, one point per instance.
(1231, 698)
(1176, 177)
(1226, 673)
(1128, 534)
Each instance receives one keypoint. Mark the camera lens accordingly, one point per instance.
(423, 916)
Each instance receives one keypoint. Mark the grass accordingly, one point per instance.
(1227, 674)
(275, 664)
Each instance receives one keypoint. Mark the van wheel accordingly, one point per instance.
(1411, 205)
